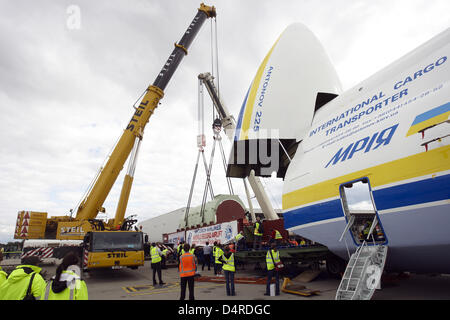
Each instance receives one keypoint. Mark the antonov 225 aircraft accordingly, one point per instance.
(368, 167)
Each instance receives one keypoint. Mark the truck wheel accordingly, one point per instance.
(335, 266)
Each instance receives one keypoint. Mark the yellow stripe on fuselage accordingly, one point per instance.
(417, 165)
(252, 95)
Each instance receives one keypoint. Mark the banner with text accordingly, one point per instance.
(176, 237)
(222, 233)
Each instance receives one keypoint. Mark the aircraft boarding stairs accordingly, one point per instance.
(364, 269)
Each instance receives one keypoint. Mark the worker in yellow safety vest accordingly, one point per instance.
(365, 232)
(66, 284)
(257, 234)
(24, 282)
(165, 252)
(229, 270)
(179, 250)
(239, 241)
(272, 257)
(155, 254)
(277, 237)
(218, 254)
(214, 256)
(3, 274)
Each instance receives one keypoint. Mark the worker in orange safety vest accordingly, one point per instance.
(187, 268)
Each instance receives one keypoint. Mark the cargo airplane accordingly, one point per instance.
(369, 163)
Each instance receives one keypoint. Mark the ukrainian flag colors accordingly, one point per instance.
(430, 118)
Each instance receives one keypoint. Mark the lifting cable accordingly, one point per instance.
(215, 67)
(217, 128)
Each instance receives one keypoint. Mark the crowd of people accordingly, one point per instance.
(25, 282)
(222, 259)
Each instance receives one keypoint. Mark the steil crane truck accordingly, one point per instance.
(113, 243)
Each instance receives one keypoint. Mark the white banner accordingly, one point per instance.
(221, 233)
(176, 237)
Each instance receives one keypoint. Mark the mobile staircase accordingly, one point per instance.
(363, 273)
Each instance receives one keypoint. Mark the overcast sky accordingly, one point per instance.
(70, 72)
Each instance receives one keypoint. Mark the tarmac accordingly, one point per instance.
(127, 284)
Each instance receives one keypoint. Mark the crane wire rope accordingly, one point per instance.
(215, 45)
(224, 162)
(216, 129)
(212, 62)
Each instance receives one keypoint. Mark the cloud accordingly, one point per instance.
(67, 94)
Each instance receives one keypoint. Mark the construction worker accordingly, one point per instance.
(276, 236)
(257, 234)
(165, 252)
(214, 256)
(219, 253)
(155, 254)
(239, 241)
(180, 250)
(293, 242)
(378, 234)
(24, 282)
(365, 232)
(187, 269)
(272, 257)
(3, 274)
(66, 284)
(229, 270)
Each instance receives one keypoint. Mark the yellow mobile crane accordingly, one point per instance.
(112, 244)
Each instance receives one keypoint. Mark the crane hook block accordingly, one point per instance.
(210, 11)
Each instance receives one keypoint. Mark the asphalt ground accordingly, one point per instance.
(125, 293)
(131, 285)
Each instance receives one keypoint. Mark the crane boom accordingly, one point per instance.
(229, 125)
(228, 122)
(113, 245)
(93, 202)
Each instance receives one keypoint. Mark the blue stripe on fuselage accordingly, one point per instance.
(413, 193)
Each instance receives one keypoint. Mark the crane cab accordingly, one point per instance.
(113, 249)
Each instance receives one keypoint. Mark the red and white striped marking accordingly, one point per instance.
(163, 246)
(85, 258)
(39, 252)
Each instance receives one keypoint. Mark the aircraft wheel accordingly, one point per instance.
(335, 266)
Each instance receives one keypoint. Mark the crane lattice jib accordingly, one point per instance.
(93, 202)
